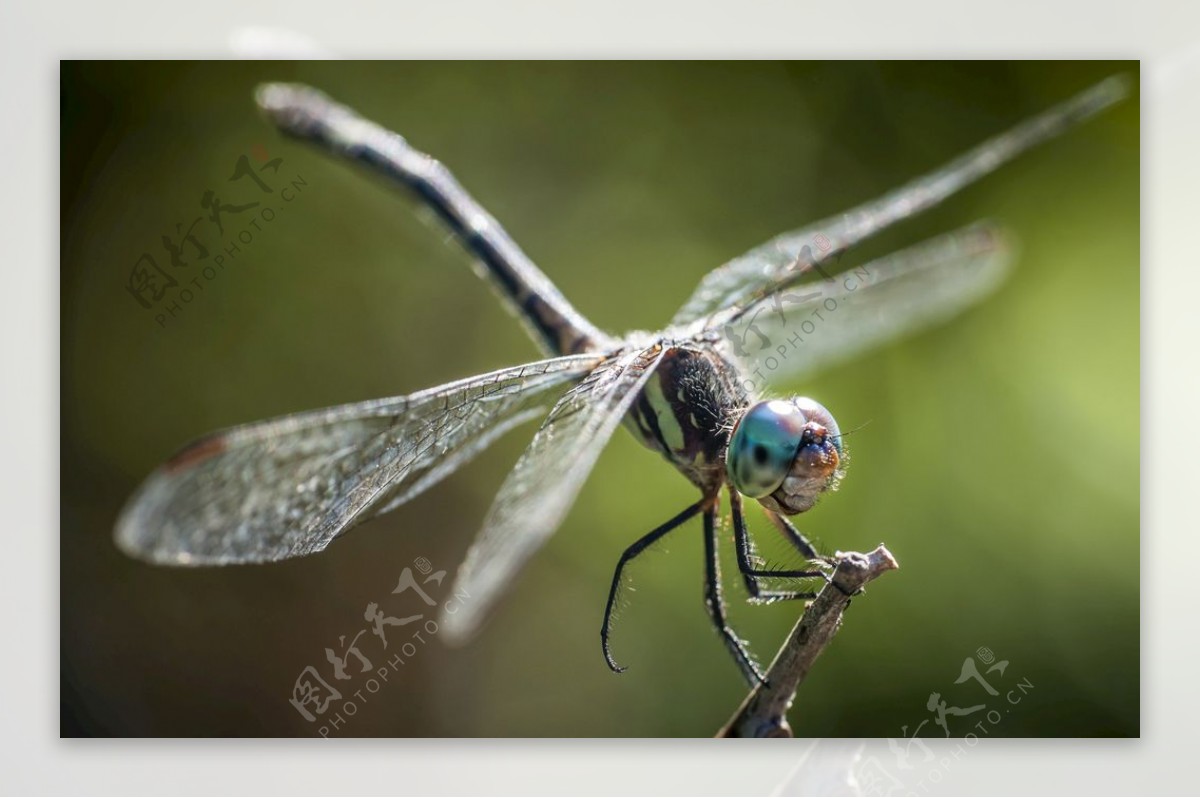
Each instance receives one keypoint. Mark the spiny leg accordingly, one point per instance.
(797, 539)
(751, 574)
(807, 549)
(716, 605)
(637, 548)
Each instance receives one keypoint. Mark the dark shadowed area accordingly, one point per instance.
(998, 461)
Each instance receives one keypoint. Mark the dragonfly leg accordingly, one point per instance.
(630, 553)
(751, 574)
(716, 605)
(797, 539)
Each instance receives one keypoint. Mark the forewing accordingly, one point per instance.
(287, 487)
(542, 487)
(790, 257)
(794, 333)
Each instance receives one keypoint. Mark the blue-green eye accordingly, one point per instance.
(762, 447)
(770, 437)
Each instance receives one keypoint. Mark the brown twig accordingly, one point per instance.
(764, 712)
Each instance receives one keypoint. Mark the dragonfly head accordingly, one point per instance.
(785, 454)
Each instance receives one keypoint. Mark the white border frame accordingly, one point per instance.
(1165, 35)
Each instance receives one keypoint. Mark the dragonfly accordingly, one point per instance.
(691, 392)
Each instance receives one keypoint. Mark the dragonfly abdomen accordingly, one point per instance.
(548, 317)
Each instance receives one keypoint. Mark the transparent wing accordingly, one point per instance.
(542, 487)
(287, 487)
(795, 332)
(791, 256)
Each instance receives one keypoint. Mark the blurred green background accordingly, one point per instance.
(1000, 463)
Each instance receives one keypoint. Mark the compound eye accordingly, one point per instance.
(762, 447)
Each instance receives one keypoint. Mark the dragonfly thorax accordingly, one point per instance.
(686, 411)
(785, 454)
